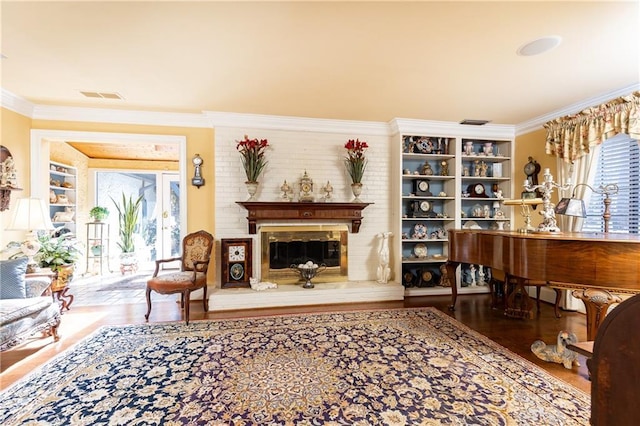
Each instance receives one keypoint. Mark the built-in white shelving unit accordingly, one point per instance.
(62, 195)
(448, 179)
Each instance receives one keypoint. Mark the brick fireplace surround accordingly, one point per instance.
(320, 153)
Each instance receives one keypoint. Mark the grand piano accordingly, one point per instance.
(595, 266)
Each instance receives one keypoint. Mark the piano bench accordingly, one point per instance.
(583, 348)
(500, 290)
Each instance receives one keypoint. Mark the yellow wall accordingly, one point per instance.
(16, 137)
(529, 145)
(14, 134)
(200, 202)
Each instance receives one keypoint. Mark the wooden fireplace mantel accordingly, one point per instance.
(283, 210)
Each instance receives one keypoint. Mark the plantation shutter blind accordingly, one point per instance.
(619, 163)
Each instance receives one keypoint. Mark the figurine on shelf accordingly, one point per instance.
(481, 280)
(328, 190)
(444, 276)
(472, 275)
(476, 168)
(8, 173)
(468, 148)
(483, 169)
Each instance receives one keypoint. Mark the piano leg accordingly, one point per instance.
(452, 268)
(597, 303)
(519, 304)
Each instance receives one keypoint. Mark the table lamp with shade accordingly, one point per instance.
(31, 215)
(575, 206)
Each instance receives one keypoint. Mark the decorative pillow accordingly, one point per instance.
(12, 275)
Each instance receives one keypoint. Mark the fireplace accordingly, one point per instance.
(283, 246)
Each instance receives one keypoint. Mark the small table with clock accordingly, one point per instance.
(236, 262)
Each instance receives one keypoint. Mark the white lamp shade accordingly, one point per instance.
(31, 214)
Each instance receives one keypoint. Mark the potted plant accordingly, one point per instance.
(99, 213)
(252, 152)
(356, 162)
(128, 211)
(60, 254)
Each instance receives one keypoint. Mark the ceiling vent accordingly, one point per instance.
(474, 122)
(101, 95)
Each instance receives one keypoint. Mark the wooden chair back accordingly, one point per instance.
(197, 247)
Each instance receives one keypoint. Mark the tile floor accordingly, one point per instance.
(93, 290)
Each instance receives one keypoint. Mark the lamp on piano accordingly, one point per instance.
(575, 206)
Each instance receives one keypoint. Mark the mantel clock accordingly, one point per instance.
(236, 262)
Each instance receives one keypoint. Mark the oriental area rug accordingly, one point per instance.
(391, 367)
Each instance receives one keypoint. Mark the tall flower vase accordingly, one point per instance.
(252, 188)
(356, 188)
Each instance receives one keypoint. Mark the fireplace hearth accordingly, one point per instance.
(284, 246)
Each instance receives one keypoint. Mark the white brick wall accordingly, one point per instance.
(321, 155)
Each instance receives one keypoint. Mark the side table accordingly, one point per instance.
(59, 289)
(59, 286)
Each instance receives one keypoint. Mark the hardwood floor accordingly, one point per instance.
(473, 310)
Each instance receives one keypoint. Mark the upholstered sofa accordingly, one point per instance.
(26, 305)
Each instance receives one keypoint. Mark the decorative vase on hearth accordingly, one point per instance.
(252, 188)
(356, 188)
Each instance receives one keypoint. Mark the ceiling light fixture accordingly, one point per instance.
(539, 46)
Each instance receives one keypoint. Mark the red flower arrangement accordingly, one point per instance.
(355, 160)
(253, 159)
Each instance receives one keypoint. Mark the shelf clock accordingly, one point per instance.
(236, 262)
(306, 188)
(422, 209)
(421, 187)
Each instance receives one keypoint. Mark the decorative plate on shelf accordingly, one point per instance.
(425, 146)
(419, 231)
(420, 250)
(471, 224)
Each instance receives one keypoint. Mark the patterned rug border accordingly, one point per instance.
(493, 354)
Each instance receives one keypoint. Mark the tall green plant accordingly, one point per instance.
(128, 212)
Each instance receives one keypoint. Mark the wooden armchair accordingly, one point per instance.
(615, 367)
(196, 254)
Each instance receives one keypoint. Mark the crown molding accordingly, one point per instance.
(225, 119)
(299, 124)
(538, 122)
(116, 116)
(17, 104)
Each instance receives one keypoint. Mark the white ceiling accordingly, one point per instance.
(370, 61)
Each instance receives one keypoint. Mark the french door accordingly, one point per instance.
(157, 235)
(169, 240)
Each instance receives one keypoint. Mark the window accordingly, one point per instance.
(618, 162)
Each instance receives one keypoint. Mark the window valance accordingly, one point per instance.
(571, 136)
